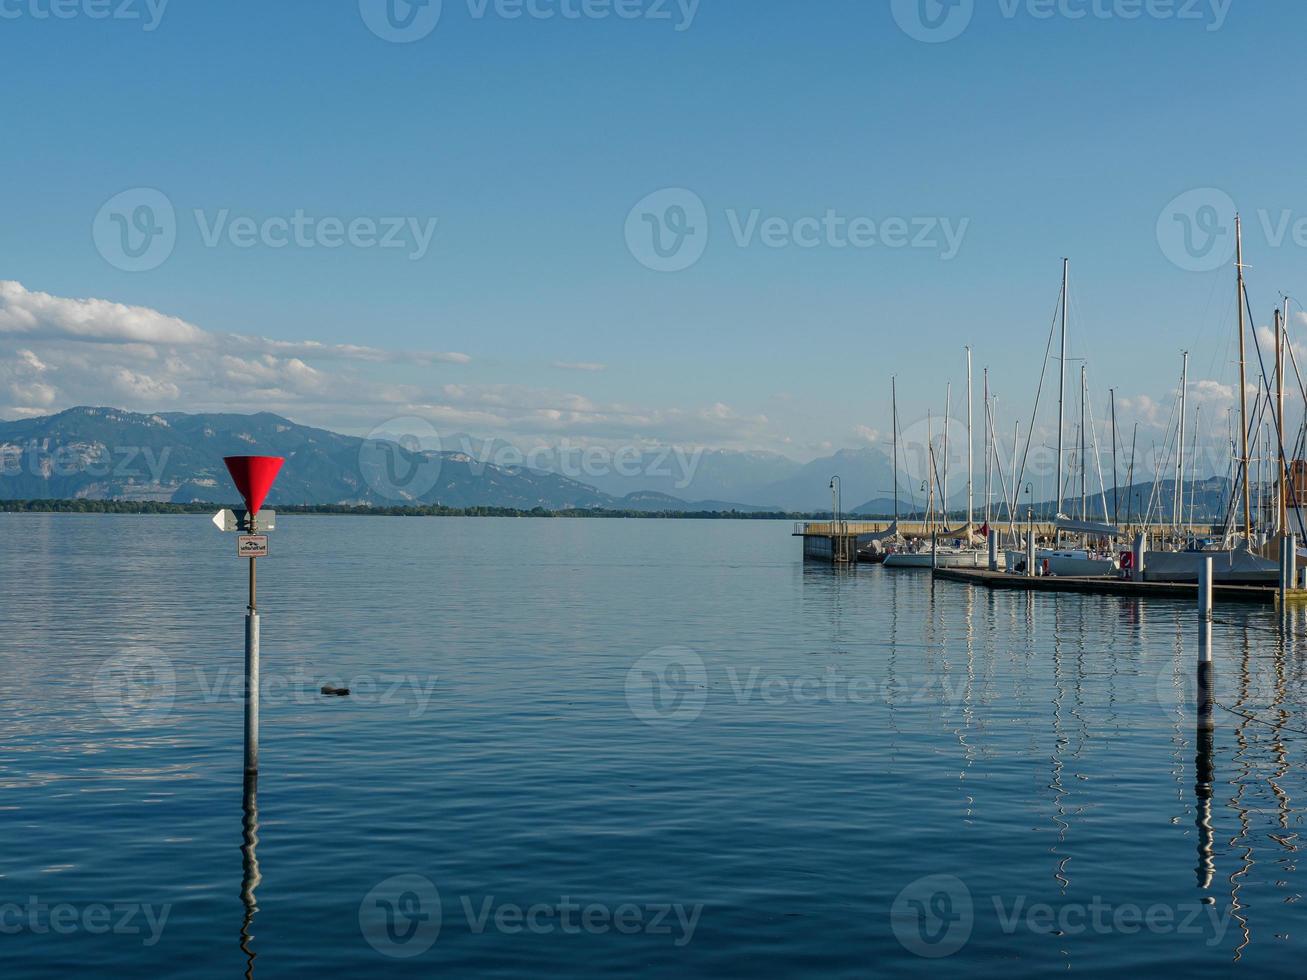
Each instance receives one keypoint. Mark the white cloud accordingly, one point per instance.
(41, 315)
(79, 352)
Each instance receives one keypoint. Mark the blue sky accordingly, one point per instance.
(530, 140)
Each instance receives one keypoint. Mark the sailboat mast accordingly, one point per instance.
(1282, 519)
(970, 446)
(989, 446)
(1084, 460)
(948, 417)
(1243, 391)
(894, 425)
(1116, 504)
(930, 475)
(1061, 384)
(1177, 506)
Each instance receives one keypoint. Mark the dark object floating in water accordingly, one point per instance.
(340, 692)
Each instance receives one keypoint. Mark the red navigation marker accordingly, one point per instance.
(253, 476)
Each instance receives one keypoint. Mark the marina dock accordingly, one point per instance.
(1256, 594)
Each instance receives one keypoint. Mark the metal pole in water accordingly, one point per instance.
(1030, 544)
(993, 550)
(1204, 687)
(1205, 591)
(252, 672)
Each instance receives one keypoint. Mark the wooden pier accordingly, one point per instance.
(1256, 594)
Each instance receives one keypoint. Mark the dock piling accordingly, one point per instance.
(992, 537)
(1205, 591)
(1140, 547)
(1204, 687)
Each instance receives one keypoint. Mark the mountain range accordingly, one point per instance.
(110, 453)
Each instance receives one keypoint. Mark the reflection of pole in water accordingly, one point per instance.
(1237, 908)
(250, 861)
(1204, 769)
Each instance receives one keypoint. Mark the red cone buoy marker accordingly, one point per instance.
(253, 476)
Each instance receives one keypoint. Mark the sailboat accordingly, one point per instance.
(1074, 562)
(1240, 564)
(957, 551)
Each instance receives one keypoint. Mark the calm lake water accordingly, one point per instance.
(584, 748)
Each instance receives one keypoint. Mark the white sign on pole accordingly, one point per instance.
(252, 546)
(235, 520)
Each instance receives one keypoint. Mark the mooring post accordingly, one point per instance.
(1205, 591)
(934, 551)
(1283, 595)
(1140, 546)
(1205, 669)
(993, 550)
(1030, 550)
